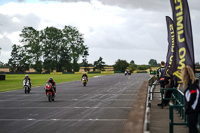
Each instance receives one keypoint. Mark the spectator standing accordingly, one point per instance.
(160, 74)
(192, 100)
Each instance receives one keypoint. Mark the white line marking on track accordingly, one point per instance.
(67, 120)
(107, 100)
(65, 107)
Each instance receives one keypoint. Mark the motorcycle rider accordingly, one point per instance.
(53, 83)
(125, 73)
(84, 75)
(160, 74)
(28, 78)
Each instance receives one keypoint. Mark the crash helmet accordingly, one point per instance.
(51, 80)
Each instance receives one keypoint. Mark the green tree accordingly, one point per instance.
(142, 67)
(24, 62)
(99, 64)
(132, 66)
(85, 62)
(152, 62)
(31, 40)
(51, 39)
(60, 49)
(13, 61)
(3, 65)
(121, 65)
(64, 63)
(76, 44)
(18, 61)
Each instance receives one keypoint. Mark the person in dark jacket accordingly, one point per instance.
(53, 83)
(192, 99)
(28, 78)
(160, 74)
(84, 75)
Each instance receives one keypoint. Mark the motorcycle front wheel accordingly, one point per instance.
(25, 90)
(49, 98)
(29, 90)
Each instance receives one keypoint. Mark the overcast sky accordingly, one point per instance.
(113, 29)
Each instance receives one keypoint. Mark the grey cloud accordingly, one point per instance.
(133, 33)
(68, 0)
(5, 44)
(6, 48)
(8, 25)
(160, 5)
(144, 32)
(155, 5)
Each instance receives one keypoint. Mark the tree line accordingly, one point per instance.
(49, 49)
(59, 49)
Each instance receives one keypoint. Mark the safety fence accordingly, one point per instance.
(151, 86)
(177, 103)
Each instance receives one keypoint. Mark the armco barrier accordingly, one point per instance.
(68, 72)
(93, 72)
(117, 72)
(151, 85)
(79, 72)
(2, 77)
(57, 73)
(107, 72)
(141, 71)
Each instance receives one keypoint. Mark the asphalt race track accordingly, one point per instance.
(100, 107)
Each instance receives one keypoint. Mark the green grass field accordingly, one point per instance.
(14, 81)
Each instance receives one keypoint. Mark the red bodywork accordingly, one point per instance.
(49, 89)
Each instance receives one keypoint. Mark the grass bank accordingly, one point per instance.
(14, 81)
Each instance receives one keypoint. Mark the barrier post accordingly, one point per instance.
(171, 119)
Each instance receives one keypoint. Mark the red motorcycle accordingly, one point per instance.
(50, 92)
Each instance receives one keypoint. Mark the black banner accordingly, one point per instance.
(170, 67)
(183, 36)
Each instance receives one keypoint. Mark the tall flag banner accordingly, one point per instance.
(170, 67)
(183, 36)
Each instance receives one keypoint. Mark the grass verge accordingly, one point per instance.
(14, 81)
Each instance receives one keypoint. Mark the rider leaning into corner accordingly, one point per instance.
(84, 75)
(53, 83)
(28, 78)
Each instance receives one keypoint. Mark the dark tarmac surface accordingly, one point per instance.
(100, 107)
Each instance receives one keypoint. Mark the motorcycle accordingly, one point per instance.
(50, 92)
(26, 85)
(125, 73)
(84, 81)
